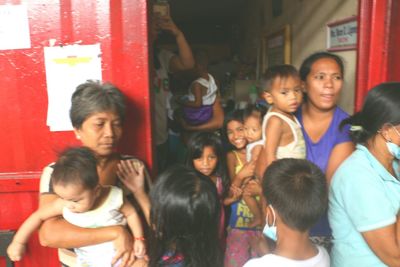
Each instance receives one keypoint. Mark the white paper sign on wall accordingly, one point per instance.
(14, 27)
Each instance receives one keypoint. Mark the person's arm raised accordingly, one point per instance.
(184, 60)
(132, 175)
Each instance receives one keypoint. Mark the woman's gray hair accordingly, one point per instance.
(92, 97)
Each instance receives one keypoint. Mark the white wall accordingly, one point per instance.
(307, 19)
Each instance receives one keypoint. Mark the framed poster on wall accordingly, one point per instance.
(275, 48)
(342, 34)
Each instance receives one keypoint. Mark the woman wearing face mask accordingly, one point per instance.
(364, 199)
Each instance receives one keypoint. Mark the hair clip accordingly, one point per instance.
(356, 128)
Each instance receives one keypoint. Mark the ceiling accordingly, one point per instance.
(205, 10)
(205, 21)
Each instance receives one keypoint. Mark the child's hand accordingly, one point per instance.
(236, 192)
(16, 250)
(139, 248)
(131, 174)
(253, 188)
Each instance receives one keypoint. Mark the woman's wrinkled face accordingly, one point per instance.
(101, 132)
(324, 83)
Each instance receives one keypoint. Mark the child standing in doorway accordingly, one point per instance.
(85, 203)
(282, 88)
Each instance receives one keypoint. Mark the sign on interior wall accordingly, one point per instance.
(275, 49)
(66, 68)
(14, 27)
(342, 34)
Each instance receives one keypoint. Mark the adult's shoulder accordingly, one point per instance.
(261, 261)
(340, 113)
(342, 133)
(354, 170)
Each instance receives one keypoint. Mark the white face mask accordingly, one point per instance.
(270, 231)
(392, 147)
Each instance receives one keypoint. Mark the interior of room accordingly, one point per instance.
(237, 34)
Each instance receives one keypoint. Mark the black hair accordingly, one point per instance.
(297, 190)
(236, 115)
(185, 219)
(201, 58)
(76, 166)
(381, 106)
(195, 147)
(92, 97)
(306, 66)
(277, 71)
(257, 111)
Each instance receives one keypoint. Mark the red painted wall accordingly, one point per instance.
(378, 54)
(26, 143)
(394, 41)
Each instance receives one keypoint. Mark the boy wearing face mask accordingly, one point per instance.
(295, 193)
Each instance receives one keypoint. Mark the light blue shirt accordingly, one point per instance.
(363, 196)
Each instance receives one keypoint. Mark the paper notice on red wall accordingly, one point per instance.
(66, 68)
(14, 27)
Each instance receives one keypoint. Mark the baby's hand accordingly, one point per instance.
(247, 170)
(139, 248)
(15, 251)
(131, 173)
(253, 188)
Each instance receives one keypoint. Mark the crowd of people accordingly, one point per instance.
(300, 183)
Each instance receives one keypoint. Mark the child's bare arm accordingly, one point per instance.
(238, 178)
(255, 152)
(17, 247)
(197, 90)
(230, 162)
(273, 132)
(235, 193)
(135, 225)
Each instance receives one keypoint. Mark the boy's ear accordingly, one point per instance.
(268, 97)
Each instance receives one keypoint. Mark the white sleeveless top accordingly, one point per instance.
(107, 214)
(250, 148)
(295, 149)
(211, 94)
